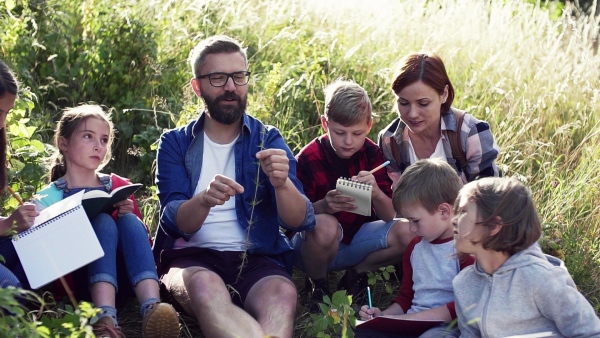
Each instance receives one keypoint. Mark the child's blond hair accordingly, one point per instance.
(429, 182)
(347, 103)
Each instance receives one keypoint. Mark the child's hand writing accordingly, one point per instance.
(365, 177)
(124, 207)
(368, 178)
(24, 216)
(367, 313)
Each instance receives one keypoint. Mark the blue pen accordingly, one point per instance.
(369, 296)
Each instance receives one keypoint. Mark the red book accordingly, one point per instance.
(398, 325)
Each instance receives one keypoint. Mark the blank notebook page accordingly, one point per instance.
(59, 245)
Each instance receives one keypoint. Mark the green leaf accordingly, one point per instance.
(37, 145)
(340, 297)
(324, 308)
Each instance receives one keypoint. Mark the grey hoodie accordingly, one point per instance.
(527, 294)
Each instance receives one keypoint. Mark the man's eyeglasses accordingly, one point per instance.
(220, 79)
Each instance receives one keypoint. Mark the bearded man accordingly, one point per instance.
(227, 185)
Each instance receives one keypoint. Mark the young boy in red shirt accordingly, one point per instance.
(425, 197)
(342, 239)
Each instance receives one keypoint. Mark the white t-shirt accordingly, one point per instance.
(221, 229)
(437, 153)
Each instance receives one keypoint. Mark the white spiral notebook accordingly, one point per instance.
(60, 241)
(361, 193)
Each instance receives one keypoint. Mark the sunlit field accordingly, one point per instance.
(533, 75)
(531, 71)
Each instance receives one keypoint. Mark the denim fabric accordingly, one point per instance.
(129, 234)
(179, 162)
(11, 265)
(371, 237)
(7, 278)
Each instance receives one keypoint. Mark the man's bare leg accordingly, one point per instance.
(203, 294)
(272, 301)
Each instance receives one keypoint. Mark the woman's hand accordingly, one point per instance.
(124, 207)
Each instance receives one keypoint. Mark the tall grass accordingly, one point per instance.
(532, 74)
(535, 78)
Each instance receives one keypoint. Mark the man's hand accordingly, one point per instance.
(219, 191)
(276, 164)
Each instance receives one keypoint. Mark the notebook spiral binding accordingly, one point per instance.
(353, 184)
(51, 220)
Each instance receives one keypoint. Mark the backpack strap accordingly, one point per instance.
(454, 138)
(396, 152)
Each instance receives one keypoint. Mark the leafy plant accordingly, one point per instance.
(26, 153)
(13, 316)
(17, 321)
(384, 275)
(336, 318)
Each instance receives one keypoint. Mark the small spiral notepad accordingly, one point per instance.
(361, 193)
(60, 241)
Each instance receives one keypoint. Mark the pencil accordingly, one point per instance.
(369, 297)
(15, 195)
(379, 167)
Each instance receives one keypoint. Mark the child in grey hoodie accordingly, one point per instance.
(512, 289)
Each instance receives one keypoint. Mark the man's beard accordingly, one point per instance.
(225, 114)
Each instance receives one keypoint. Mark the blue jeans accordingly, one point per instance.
(7, 278)
(11, 270)
(371, 237)
(129, 234)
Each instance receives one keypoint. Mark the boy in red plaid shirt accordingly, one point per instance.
(342, 239)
